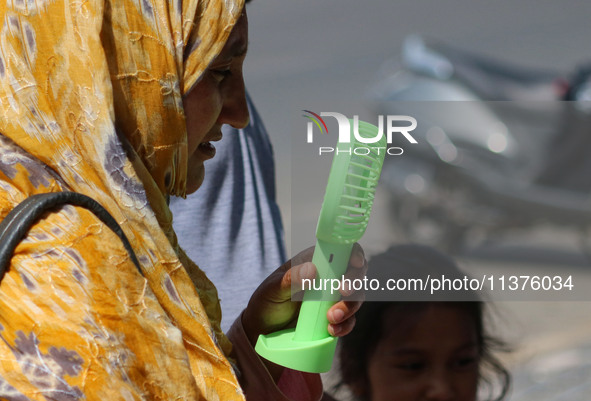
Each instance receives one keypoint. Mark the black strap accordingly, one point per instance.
(19, 221)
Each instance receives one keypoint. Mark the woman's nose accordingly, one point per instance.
(235, 110)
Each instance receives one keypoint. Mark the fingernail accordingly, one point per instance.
(308, 271)
(335, 330)
(359, 260)
(337, 316)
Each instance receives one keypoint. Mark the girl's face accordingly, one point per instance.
(218, 98)
(433, 355)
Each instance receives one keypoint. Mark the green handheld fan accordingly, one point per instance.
(349, 196)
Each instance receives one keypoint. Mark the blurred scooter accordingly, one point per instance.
(500, 147)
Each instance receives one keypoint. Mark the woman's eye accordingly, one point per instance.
(220, 74)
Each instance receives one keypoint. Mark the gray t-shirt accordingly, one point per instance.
(231, 227)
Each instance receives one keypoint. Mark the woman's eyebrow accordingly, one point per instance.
(236, 49)
(240, 48)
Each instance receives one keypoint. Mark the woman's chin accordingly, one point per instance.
(195, 176)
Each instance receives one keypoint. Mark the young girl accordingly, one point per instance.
(411, 351)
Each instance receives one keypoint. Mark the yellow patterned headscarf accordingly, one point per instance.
(93, 90)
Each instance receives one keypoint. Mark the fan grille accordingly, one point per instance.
(351, 188)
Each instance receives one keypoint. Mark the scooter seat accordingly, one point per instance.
(491, 79)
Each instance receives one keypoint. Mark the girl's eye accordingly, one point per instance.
(466, 362)
(411, 366)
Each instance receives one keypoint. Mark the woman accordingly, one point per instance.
(120, 100)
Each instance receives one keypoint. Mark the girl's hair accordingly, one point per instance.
(414, 261)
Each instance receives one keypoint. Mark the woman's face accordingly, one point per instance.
(433, 355)
(218, 98)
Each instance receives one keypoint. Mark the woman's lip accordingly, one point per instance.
(214, 138)
(206, 150)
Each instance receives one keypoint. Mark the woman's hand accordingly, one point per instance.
(271, 309)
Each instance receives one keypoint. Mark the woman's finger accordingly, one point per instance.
(342, 329)
(295, 277)
(357, 259)
(342, 311)
(354, 278)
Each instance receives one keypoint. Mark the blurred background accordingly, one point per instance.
(329, 56)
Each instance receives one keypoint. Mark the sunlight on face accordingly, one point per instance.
(218, 98)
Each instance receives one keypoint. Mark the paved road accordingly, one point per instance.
(323, 55)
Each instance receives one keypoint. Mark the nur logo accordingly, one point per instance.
(394, 124)
(316, 119)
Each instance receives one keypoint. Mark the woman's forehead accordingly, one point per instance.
(237, 43)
